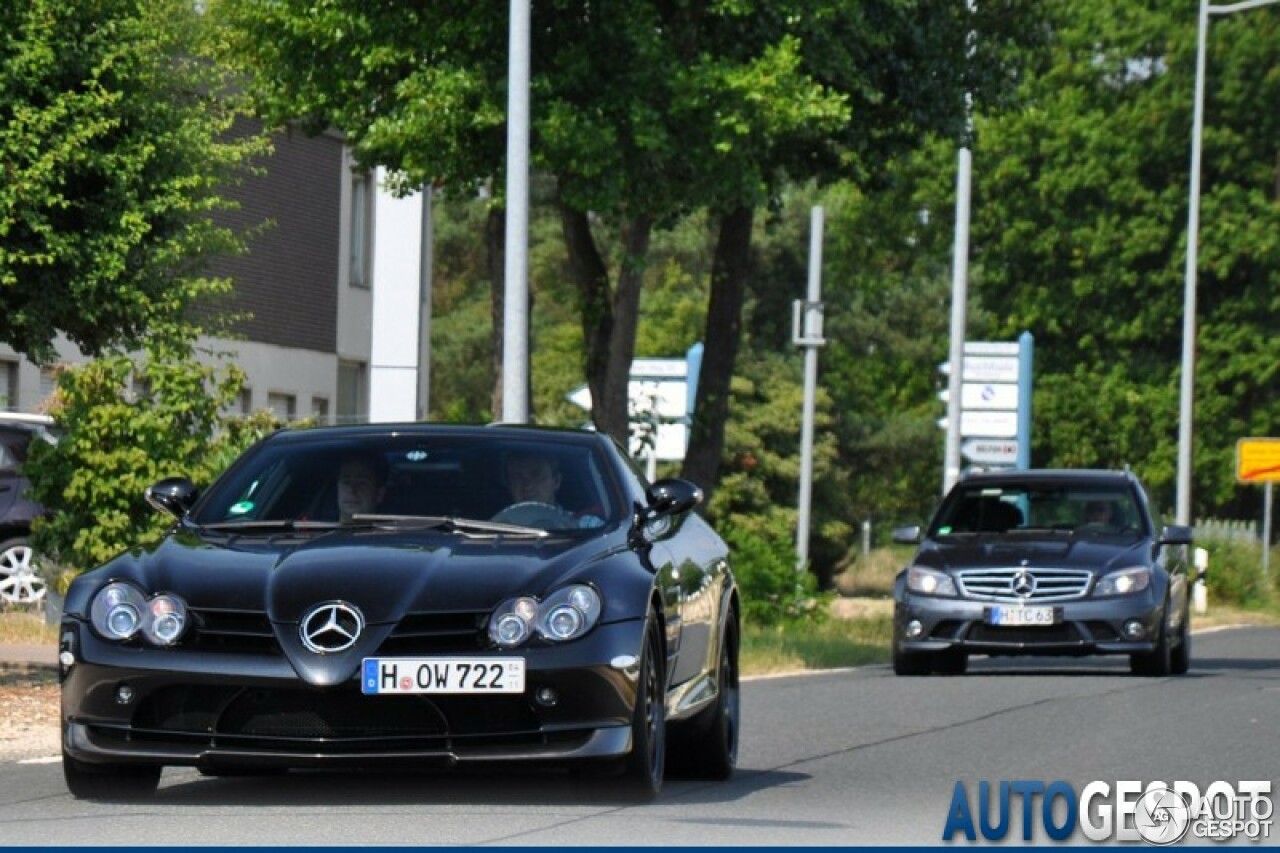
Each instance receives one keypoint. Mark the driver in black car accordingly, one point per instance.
(533, 481)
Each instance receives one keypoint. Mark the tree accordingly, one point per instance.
(128, 422)
(1080, 233)
(115, 138)
(643, 112)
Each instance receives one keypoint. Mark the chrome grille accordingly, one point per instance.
(1019, 585)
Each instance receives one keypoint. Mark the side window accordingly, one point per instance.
(13, 449)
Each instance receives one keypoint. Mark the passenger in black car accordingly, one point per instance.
(360, 487)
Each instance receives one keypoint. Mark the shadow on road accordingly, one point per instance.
(507, 787)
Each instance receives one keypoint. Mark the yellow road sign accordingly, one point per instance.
(1258, 460)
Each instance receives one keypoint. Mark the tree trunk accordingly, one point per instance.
(495, 231)
(608, 323)
(729, 272)
(615, 416)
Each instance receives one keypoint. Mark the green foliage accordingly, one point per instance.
(115, 134)
(773, 592)
(1235, 574)
(1080, 237)
(129, 423)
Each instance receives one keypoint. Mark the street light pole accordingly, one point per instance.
(1187, 389)
(515, 321)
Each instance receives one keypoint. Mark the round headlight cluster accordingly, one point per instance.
(120, 612)
(565, 615)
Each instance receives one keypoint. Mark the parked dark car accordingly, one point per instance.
(272, 629)
(20, 579)
(1043, 562)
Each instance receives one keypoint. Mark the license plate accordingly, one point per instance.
(1020, 616)
(442, 675)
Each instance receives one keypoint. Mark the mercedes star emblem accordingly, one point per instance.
(1023, 584)
(331, 627)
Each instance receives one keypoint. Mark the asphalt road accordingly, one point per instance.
(839, 758)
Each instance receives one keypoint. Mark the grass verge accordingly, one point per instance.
(826, 645)
(25, 627)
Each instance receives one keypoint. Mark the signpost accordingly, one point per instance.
(1258, 461)
(660, 393)
(995, 402)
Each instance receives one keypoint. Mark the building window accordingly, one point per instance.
(283, 406)
(246, 401)
(361, 229)
(8, 385)
(352, 393)
(48, 385)
(320, 409)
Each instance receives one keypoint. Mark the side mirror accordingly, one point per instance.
(174, 495)
(672, 497)
(1175, 534)
(908, 535)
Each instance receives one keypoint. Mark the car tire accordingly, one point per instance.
(1156, 663)
(951, 662)
(645, 767)
(20, 583)
(1180, 655)
(911, 663)
(110, 782)
(709, 748)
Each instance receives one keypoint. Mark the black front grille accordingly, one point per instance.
(232, 632)
(435, 633)
(1030, 636)
(337, 714)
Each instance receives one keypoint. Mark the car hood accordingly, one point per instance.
(384, 574)
(1095, 555)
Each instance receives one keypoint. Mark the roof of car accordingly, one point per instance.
(1023, 475)
(513, 432)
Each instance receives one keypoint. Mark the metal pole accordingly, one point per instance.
(1187, 391)
(515, 325)
(959, 303)
(1266, 530)
(1026, 366)
(425, 279)
(811, 340)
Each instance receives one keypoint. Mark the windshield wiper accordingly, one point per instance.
(465, 526)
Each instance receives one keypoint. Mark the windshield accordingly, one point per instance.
(1082, 509)
(323, 481)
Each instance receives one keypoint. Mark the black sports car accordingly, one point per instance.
(405, 595)
(1044, 562)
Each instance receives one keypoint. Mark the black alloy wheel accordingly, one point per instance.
(710, 749)
(1159, 661)
(109, 782)
(1180, 660)
(646, 765)
(910, 663)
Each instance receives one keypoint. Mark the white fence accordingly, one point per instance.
(1245, 532)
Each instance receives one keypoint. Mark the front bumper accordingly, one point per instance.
(218, 711)
(1081, 627)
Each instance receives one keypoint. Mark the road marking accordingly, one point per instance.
(48, 759)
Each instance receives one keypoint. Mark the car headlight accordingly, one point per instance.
(566, 614)
(1124, 582)
(930, 581)
(120, 611)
